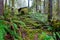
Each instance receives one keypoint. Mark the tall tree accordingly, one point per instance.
(50, 11)
(5, 3)
(46, 3)
(44, 6)
(1, 7)
(58, 7)
(12, 7)
(28, 3)
(36, 5)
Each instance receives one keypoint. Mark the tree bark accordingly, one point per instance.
(12, 7)
(1, 7)
(36, 6)
(5, 3)
(58, 12)
(50, 11)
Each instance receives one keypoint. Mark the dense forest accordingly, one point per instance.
(29, 20)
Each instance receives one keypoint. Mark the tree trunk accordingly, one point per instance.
(12, 7)
(9, 3)
(28, 3)
(5, 3)
(1, 7)
(36, 5)
(50, 11)
(44, 6)
(58, 12)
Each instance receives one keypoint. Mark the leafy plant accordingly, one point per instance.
(39, 17)
(8, 29)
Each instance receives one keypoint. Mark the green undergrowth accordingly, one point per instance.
(27, 27)
(30, 33)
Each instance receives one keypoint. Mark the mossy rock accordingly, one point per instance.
(23, 10)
